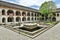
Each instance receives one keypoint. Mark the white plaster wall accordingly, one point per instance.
(57, 18)
(6, 16)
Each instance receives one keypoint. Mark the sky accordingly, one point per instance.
(32, 3)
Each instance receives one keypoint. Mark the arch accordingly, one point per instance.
(35, 18)
(57, 14)
(32, 18)
(18, 19)
(28, 14)
(3, 12)
(38, 18)
(35, 14)
(41, 19)
(54, 19)
(23, 13)
(54, 14)
(3, 20)
(28, 18)
(10, 19)
(24, 19)
(18, 13)
(41, 15)
(32, 14)
(10, 12)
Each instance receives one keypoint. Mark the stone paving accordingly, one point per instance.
(51, 34)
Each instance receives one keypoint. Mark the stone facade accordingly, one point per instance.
(10, 14)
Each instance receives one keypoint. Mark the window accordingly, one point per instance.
(23, 19)
(3, 20)
(17, 13)
(28, 14)
(17, 19)
(35, 18)
(35, 14)
(28, 18)
(10, 19)
(23, 13)
(32, 18)
(53, 19)
(57, 14)
(10, 12)
(32, 14)
(3, 12)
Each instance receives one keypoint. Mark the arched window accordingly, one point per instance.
(28, 14)
(10, 12)
(42, 15)
(3, 12)
(38, 18)
(32, 14)
(57, 14)
(10, 19)
(23, 19)
(43, 18)
(35, 14)
(17, 12)
(53, 19)
(54, 14)
(32, 18)
(35, 18)
(28, 18)
(3, 20)
(17, 19)
(23, 13)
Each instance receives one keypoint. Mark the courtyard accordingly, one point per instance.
(31, 30)
(18, 22)
(51, 34)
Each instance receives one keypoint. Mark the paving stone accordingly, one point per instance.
(51, 34)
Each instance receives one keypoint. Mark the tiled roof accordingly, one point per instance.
(17, 6)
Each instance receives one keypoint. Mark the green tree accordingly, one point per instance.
(47, 8)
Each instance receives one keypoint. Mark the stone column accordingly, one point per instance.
(21, 19)
(6, 15)
(6, 20)
(36, 16)
(26, 16)
(26, 13)
(6, 12)
(21, 15)
(21, 12)
(14, 19)
(30, 13)
(14, 12)
(0, 11)
(30, 16)
(0, 15)
(30, 19)
(33, 14)
(34, 19)
(14, 16)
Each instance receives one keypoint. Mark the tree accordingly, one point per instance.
(47, 8)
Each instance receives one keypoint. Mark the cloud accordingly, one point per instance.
(35, 6)
(58, 5)
(28, 3)
(31, 2)
(12, 1)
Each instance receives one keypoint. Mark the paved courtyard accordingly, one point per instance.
(51, 34)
